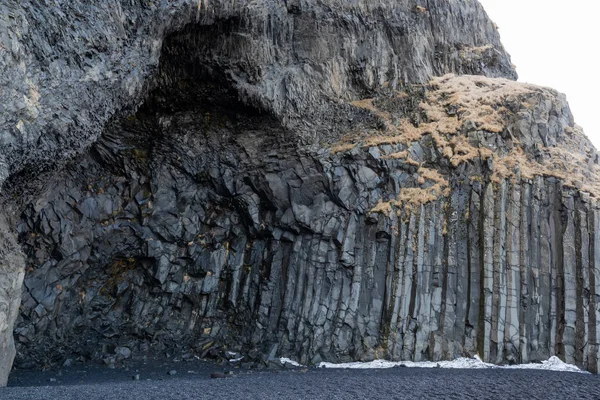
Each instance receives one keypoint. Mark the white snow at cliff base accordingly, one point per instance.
(552, 364)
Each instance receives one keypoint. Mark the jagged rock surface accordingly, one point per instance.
(68, 68)
(198, 223)
(11, 280)
(256, 201)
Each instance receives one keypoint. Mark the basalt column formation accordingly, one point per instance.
(321, 180)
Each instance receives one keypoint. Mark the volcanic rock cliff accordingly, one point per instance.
(322, 180)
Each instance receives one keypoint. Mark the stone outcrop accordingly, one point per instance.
(11, 280)
(200, 224)
(68, 67)
(285, 178)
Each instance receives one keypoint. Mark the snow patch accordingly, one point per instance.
(285, 360)
(464, 363)
(552, 364)
(234, 357)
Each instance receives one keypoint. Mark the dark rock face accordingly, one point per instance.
(198, 176)
(11, 280)
(68, 68)
(200, 224)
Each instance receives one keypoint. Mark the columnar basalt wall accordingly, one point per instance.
(68, 68)
(285, 178)
(207, 228)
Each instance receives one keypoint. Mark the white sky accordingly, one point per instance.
(556, 43)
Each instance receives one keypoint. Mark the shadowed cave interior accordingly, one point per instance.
(160, 237)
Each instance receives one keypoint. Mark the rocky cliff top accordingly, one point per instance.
(518, 130)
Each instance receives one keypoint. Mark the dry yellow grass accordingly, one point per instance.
(474, 99)
(367, 104)
(477, 99)
(463, 151)
(343, 147)
(404, 133)
(414, 197)
(400, 155)
(434, 176)
(481, 49)
(403, 155)
(455, 104)
(568, 163)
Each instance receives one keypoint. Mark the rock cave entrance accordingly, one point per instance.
(202, 224)
(159, 239)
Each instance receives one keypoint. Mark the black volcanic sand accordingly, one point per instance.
(193, 381)
(155, 369)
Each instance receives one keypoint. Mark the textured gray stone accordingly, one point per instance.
(12, 265)
(199, 204)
